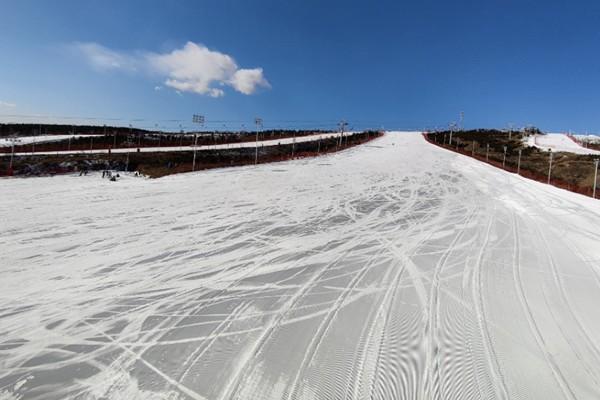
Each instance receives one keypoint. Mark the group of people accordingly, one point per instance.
(110, 175)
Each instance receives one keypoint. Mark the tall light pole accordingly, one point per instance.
(504, 158)
(195, 145)
(259, 123)
(550, 167)
(12, 154)
(343, 125)
(487, 152)
(519, 162)
(595, 176)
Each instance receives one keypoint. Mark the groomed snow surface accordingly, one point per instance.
(558, 142)
(21, 140)
(240, 145)
(392, 270)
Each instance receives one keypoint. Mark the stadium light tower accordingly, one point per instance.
(196, 119)
(343, 125)
(259, 124)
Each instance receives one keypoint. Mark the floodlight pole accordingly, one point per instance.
(519, 162)
(550, 167)
(595, 176)
(342, 126)
(195, 145)
(504, 158)
(13, 153)
(258, 122)
(487, 152)
(197, 119)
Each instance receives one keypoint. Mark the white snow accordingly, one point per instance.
(7, 142)
(588, 138)
(392, 270)
(252, 144)
(558, 142)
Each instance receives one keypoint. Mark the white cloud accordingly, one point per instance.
(192, 68)
(102, 58)
(157, 88)
(7, 104)
(247, 80)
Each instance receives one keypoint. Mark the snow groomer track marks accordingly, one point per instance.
(394, 270)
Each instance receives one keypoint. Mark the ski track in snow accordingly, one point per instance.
(391, 270)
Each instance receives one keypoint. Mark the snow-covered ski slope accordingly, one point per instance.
(558, 142)
(392, 270)
(239, 145)
(7, 142)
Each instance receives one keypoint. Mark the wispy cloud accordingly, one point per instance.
(192, 68)
(103, 58)
(5, 104)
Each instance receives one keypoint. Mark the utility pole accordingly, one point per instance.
(487, 152)
(550, 167)
(259, 124)
(519, 162)
(595, 176)
(504, 158)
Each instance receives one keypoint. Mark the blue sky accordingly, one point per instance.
(302, 63)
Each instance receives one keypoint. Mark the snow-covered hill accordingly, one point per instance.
(391, 270)
(558, 142)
